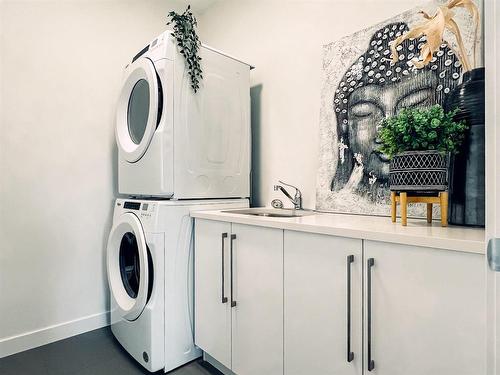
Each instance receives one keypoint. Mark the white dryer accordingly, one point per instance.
(178, 144)
(150, 275)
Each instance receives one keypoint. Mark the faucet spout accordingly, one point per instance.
(296, 200)
(283, 190)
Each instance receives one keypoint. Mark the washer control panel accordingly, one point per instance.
(128, 205)
(147, 210)
(144, 210)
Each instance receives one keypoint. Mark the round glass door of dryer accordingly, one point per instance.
(139, 109)
(130, 267)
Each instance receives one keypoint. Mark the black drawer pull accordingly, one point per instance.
(233, 302)
(224, 298)
(370, 264)
(350, 355)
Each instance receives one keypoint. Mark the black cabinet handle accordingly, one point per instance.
(233, 302)
(224, 298)
(350, 355)
(370, 264)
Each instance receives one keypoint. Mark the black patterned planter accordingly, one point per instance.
(418, 171)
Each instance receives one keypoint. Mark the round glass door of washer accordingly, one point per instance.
(129, 266)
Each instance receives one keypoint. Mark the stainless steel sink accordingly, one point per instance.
(271, 212)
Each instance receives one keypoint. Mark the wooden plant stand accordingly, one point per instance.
(403, 199)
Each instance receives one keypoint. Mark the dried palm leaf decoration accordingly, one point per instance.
(433, 29)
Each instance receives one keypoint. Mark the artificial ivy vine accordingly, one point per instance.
(188, 43)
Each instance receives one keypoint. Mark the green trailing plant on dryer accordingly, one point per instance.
(184, 32)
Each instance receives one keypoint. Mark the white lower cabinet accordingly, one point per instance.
(278, 302)
(242, 328)
(322, 320)
(257, 318)
(212, 312)
(424, 311)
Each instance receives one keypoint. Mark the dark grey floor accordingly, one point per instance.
(92, 353)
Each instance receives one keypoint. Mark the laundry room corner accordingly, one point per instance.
(61, 67)
(249, 187)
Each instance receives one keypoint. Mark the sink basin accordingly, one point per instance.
(271, 212)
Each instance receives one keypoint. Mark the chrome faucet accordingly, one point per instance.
(297, 200)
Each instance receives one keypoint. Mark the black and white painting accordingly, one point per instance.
(361, 86)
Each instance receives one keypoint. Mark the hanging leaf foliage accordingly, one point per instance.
(184, 32)
(433, 29)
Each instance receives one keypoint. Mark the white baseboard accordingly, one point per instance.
(29, 340)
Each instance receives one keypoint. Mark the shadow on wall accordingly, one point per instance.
(109, 220)
(255, 110)
(114, 147)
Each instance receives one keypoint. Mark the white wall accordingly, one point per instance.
(60, 71)
(61, 63)
(284, 39)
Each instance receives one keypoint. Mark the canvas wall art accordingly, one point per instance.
(361, 86)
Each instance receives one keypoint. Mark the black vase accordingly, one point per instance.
(467, 185)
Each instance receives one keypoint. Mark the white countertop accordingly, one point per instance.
(417, 233)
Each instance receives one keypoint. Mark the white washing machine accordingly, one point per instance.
(150, 275)
(178, 144)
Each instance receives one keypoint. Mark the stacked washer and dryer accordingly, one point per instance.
(178, 151)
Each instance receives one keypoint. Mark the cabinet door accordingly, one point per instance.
(317, 309)
(258, 293)
(212, 312)
(427, 311)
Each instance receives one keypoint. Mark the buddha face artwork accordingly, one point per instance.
(357, 96)
(374, 88)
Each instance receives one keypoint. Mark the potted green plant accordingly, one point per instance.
(419, 143)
